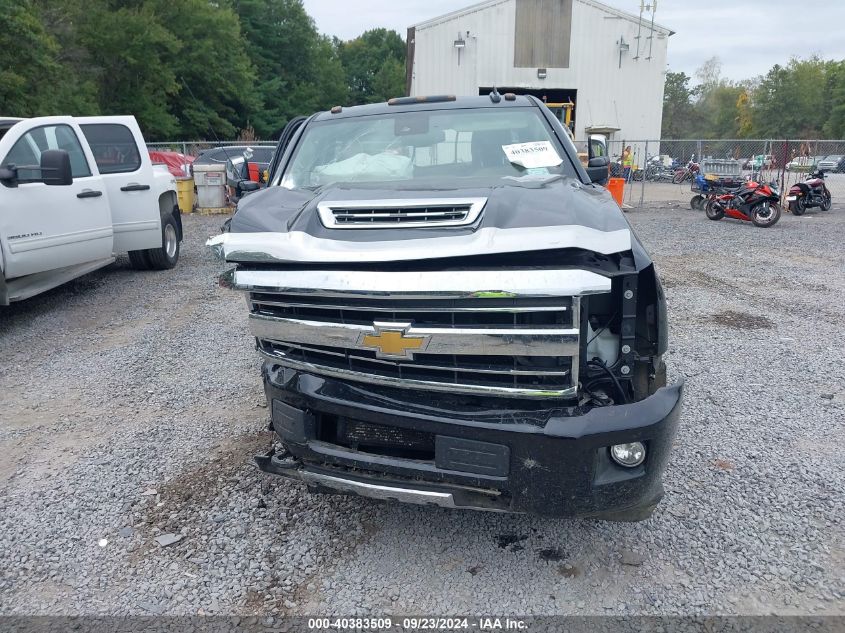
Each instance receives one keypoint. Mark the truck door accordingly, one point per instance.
(124, 164)
(45, 227)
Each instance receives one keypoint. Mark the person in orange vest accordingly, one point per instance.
(627, 163)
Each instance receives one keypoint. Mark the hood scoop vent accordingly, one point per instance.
(393, 214)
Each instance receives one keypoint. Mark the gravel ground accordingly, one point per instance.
(132, 404)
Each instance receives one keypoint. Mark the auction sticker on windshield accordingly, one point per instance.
(531, 155)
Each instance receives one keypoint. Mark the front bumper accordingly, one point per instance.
(511, 460)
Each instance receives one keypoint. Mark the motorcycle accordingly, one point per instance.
(753, 202)
(657, 171)
(687, 173)
(813, 192)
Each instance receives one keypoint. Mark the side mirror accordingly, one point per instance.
(55, 167)
(596, 146)
(248, 186)
(597, 169)
(9, 176)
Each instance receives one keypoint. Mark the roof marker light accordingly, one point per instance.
(413, 100)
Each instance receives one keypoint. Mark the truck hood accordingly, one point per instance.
(279, 225)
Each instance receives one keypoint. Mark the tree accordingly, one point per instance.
(74, 89)
(132, 76)
(745, 121)
(213, 78)
(835, 105)
(389, 80)
(709, 74)
(298, 70)
(28, 74)
(718, 111)
(677, 106)
(328, 88)
(374, 63)
(790, 100)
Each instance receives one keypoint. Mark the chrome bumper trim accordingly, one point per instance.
(402, 383)
(415, 365)
(257, 303)
(386, 493)
(441, 284)
(375, 491)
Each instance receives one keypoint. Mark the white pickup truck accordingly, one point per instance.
(74, 191)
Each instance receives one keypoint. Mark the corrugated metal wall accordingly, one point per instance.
(630, 97)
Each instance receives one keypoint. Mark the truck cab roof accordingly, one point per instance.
(426, 103)
(6, 123)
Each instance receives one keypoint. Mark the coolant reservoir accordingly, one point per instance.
(605, 345)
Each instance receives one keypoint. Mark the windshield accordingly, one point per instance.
(428, 146)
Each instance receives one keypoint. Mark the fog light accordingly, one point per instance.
(628, 455)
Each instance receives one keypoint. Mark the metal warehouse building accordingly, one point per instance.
(607, 62)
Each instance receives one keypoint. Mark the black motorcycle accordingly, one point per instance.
(657, 171)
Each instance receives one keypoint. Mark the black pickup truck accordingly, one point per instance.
(451, 311)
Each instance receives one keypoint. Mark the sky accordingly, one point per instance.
(748, 36)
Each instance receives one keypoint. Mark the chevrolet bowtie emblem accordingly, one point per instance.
(391, 340)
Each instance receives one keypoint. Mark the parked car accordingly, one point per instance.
(74, 192)
(761, 161)
(467, 325)
(803, 163)
(834, 162)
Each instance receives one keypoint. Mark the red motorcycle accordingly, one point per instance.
(813, 192)
(753, 202)
(687, 173)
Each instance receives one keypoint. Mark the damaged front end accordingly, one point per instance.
(497, 381)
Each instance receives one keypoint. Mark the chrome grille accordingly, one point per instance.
(521, 341)
(383, 214)
(453, 373)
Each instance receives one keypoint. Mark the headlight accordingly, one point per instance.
(628, 455)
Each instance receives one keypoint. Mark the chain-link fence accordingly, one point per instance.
(194, 148)
(664, 170)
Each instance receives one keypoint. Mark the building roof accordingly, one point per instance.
(481, 6)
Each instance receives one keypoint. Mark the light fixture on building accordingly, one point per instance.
(623, 48)
(541, 73)
(460, 44)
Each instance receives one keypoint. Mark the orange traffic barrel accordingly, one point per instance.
(616, 187)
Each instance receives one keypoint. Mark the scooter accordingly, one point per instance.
(813, 192)
(753, 202)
